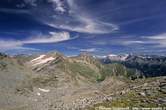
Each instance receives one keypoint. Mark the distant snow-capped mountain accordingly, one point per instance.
(113, 57)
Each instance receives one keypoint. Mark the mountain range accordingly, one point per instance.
(149, 65)
(53, 81)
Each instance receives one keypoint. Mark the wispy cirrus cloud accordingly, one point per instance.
(53, 38)
(8, 44)
(88, 26)
(63, 14)
(143, 44)
(18, 44)
(75, 19)
(159, 40)
(58, 5)
(89, 50)
(123, 42)
(132, 42)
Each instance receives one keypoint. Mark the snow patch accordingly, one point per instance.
(41, 60)
(44, 90)
(38, 58)
(38, 94)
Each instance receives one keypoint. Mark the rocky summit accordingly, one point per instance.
(53, 81)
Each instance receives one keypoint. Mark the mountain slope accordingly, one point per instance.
(12, 74)
(54, 81)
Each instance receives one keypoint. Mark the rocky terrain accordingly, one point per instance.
(53, 81)
(139, 93)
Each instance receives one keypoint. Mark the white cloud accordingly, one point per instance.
(55, 37)
(18, 44)
(80, 21)
(89, 26)
(8, 44)
(124, 42)
(15, 46)
(75, 19)
(158, 37)
(132, 42)
(58, 5)
(88, 50)
(155, 41)
(159, 40)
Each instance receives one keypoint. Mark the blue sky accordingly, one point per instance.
(73, 26)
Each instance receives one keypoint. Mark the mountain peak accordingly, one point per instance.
(47, 58)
